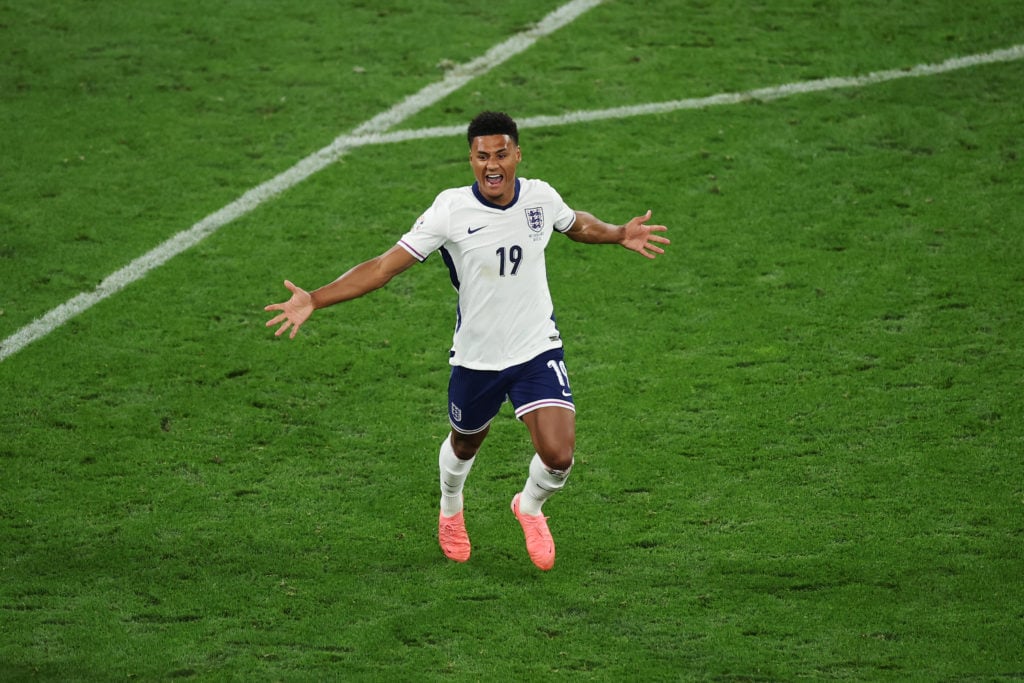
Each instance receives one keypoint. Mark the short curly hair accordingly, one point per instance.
(492, 123)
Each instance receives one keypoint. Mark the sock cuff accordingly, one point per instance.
(546, 477)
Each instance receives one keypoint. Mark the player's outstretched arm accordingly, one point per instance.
(360, 280)
(636, 235)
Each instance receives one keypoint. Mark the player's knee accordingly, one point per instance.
(466, 446)
(465, 452)
(557, 456)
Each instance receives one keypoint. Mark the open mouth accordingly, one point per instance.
(494, 179)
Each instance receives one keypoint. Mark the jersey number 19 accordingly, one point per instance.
(514, 257)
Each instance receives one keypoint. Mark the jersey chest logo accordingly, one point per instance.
(535, 218)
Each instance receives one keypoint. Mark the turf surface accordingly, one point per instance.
(800, 431)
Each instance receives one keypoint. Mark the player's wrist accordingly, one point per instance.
(622, 234)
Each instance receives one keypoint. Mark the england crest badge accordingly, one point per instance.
(535, 218)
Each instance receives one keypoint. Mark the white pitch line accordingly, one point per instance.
(431, 94)
(760, 95)
(373, 132)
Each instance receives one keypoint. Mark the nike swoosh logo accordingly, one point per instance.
(470, 231)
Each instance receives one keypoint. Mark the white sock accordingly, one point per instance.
(541, 485)
(453, 476)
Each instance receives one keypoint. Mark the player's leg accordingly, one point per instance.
(543, 401)
(470, 425)
(542, 397)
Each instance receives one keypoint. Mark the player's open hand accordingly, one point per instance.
(640, 237)
(294, 312)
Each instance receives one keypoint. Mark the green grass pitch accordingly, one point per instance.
(800, 431)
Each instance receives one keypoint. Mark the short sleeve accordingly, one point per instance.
(430, 231)
(564, 216)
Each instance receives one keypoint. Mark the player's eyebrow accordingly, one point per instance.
(484, 152)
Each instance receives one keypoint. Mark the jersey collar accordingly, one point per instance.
(487, 203)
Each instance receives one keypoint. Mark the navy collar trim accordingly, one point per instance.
(483, 200)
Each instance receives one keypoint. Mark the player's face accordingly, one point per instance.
(494, 159)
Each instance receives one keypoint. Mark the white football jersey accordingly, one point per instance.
(495, 256)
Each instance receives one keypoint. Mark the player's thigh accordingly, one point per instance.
(553, 431)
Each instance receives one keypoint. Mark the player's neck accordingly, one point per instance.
(503, 202)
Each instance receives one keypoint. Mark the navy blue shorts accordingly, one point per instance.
(475, 396)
